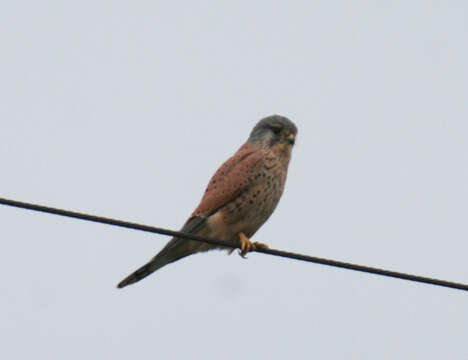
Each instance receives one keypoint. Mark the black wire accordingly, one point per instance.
(313, 259)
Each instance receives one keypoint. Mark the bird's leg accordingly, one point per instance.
(246, 245)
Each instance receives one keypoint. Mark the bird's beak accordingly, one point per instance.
(291, 138)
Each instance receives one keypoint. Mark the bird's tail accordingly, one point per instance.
(174, 250)
(143, 272)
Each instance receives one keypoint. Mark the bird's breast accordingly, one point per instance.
(254, 206)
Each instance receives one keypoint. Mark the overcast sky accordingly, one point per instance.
(125, 109)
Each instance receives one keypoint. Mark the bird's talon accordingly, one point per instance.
(242, 254)
(247, 246)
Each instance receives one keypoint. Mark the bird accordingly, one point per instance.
(239, 198)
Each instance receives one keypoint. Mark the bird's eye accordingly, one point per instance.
(276, 129)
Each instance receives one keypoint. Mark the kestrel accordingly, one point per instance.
(239, 198)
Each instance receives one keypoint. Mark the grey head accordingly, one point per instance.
(274, 129)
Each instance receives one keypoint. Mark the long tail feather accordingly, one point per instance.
(143, 272)
(176, 249)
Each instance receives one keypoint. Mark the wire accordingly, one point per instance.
(285, 254)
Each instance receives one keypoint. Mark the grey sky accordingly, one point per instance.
(125, 109)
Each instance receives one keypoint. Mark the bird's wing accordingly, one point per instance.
(231, 180)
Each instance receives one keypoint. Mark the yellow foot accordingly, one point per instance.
(246, 245)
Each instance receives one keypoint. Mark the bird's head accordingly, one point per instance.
(274, 131)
